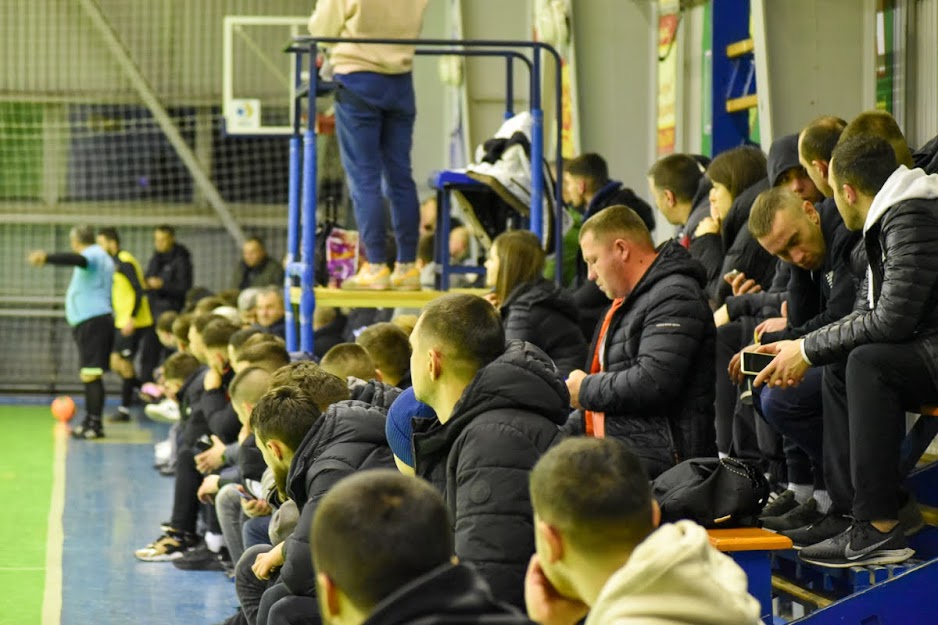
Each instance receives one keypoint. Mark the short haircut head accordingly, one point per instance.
(389, 348)
(180, 366)
(864, 162)
(110, 234)
(230, 297)
(256, 239)
(164, 323)
(738, 169)
(767, 205)
(819, 138)
(595, 491)
(247, 299)
(591, 167)
(617, 222)
(286, 414)
(520, 259)
(466, 328)
(83, 233)
(208, 304)
(678, 173)
(249, 385)
(200, 320)
(884, 126)
(348, 359)
(239, 338)
(377, 531)
(323, 387)
(166, 229)
(267, 354)
(217, 332)
(181, 327)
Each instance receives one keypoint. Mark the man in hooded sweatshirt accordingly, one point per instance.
(600, 550)
(891, 348)
(498, 409)
(650, 380)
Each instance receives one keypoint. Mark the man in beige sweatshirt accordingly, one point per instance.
(375, 112)
(598, 551)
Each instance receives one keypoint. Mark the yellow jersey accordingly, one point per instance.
(128, 298)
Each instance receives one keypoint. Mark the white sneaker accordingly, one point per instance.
(163, 452)
(166, 411)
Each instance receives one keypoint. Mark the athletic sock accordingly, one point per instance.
(214, 541)
(802, 492)
(823, 499)
(94, 399)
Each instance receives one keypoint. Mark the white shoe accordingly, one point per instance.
(163, 452)
(166, 411)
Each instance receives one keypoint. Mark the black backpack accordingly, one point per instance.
(713, 492)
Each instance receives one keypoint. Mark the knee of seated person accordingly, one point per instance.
(864, 359)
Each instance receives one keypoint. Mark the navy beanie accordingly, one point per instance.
(398, 427)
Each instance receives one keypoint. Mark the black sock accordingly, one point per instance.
(94, 399)
(127, 391)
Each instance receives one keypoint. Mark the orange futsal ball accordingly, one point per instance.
(63, 408)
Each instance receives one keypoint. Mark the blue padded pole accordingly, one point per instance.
(293, 214)
(509, 88)
(558, 183)
(307, 299)
(537, 150)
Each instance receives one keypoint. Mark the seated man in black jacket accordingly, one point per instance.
(650, 382)
(498, 409)
(399, 570)
(588, 189)
(891, 349)
(817, 246)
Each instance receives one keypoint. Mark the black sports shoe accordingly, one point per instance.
(119, 416)
(830, 525)
(203, 559)
(860, 545)
(89, 429)
(780, 505)
(802, 516)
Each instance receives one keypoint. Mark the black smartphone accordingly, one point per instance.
(204, 443)
(754, 362)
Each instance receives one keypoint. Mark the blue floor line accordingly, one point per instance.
(115, 502)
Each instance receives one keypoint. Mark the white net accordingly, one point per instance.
(111, 114)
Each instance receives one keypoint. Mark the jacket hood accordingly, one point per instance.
(447, 591)
(543, 292)
(783, 155)
(674, 577)
(373, 392)
(904, 184)
(523, 378)
(672, 259)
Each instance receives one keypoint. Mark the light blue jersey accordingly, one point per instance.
(89, 292)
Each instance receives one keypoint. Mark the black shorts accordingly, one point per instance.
(94, 338)
(126, 346)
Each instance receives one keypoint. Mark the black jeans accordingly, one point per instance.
(836, 438)
(883, 382)
(796, 413)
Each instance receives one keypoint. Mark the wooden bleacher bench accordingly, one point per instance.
(751, 548)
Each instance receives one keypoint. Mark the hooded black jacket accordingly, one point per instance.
(542, 313)
(507, 417)
(175, 269)
(657, 389)
(348, 437)
(454, 595)
(900, 240)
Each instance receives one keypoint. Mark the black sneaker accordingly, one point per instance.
(829, 525)
(860, 545)
(89, 429)
(121, 415)
(202, 559)
(802, 516)
(785, 502)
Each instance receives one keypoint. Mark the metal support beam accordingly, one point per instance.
(140, 84)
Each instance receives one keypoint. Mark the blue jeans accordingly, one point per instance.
(374, 116)
(254, 531)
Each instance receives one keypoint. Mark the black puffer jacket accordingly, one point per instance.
(175, 269)
(348, 437)
(657, 389)
(507, 417)
(542, 313)
(901, 235)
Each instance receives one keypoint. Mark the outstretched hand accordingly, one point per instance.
(37, 258)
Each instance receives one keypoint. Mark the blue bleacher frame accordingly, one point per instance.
(303, 175)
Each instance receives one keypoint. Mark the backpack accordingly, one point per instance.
(713, 492)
